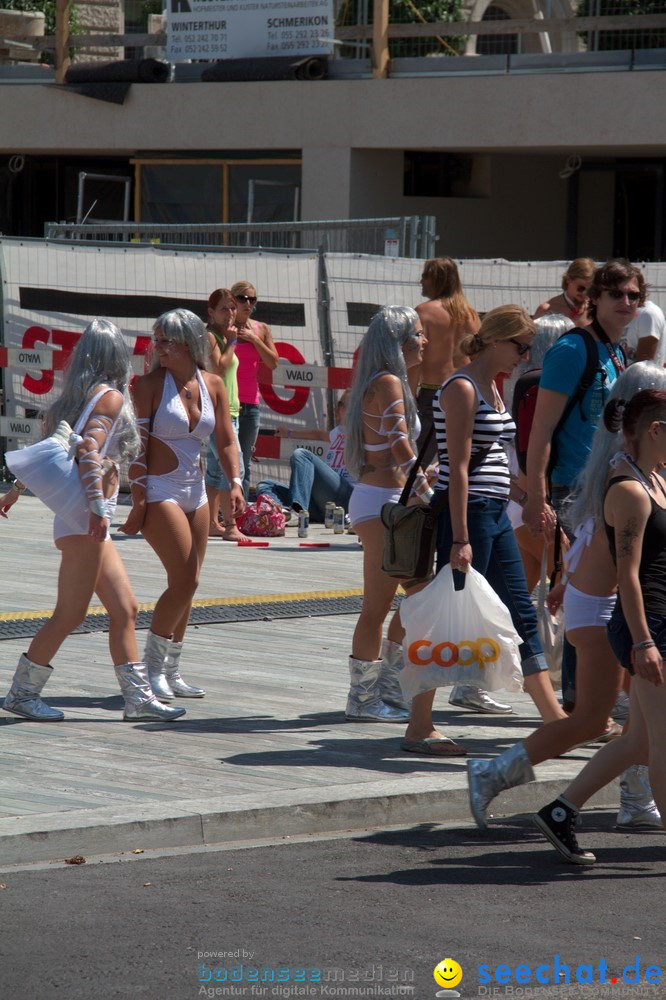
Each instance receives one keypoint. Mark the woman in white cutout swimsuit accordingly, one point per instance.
(179, 404)
(95, 401)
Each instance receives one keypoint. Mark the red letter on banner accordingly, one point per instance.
(301, 393)
(38, 386)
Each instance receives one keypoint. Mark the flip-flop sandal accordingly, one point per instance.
(434, 746)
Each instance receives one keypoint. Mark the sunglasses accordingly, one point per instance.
(250, 299)
(520, 346)
(616, 294)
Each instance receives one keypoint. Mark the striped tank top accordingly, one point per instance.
(491, 430)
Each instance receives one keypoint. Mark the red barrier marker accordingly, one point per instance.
(257, 545)
(314, 545)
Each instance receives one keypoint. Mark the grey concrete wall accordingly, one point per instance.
(611, 113)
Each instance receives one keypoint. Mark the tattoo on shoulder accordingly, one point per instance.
(628, 535)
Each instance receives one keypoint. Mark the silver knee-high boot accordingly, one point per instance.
(172, 673)
(637, 807)
(389, 675)
(487, 778)
(154, 656)
(364, 703)
(23, 696)
(140, 702)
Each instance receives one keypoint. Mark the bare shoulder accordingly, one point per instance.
(542, 310)
(212, 382)
(384, 389)
(432, 310)
(110, 403)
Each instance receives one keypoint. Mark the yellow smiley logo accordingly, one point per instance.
(447, 973)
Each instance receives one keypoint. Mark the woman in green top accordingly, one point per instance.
(223, 362)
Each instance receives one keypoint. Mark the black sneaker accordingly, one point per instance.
(557, 821)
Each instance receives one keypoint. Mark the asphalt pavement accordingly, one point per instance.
(266, 753)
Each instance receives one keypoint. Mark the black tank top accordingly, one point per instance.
(652, 570)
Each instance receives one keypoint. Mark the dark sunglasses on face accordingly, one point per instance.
(616, 294)
(520, 346)
(251, 299)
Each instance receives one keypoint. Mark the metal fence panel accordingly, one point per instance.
(399, 236)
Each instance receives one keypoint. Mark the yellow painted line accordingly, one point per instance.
(306, 595)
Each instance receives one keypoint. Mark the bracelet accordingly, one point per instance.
(97, 507)
(645, 644)
(466, 542)
(237, 480)
(18, 486)
(231, 343)
(427, 494)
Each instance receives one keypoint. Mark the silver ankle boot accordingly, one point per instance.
(487, 778)
(364, 703)
(154, 656)
(140, 702)
(23, 696)
(637, 807)
(389, 675)
(172, 673)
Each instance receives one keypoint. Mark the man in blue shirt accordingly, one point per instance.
(617, 290)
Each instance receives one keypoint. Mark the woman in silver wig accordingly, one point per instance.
(589, 599)
(381, 426)
(94, 393)
(179, 405)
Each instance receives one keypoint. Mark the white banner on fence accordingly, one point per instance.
(220, 29)
(51, 291)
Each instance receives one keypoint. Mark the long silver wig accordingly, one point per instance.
(182, 327)
(549, 329)
(101, 357)
(592, 480)
(380, 351)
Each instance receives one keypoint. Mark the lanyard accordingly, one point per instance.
(616, 359)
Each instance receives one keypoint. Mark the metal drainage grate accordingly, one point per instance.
(215, 614)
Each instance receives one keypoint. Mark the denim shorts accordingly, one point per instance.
(621, 640)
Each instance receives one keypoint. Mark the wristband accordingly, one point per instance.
(18, 486)
(97, 507)
(645, 644)
(231, 343)
(466, 542)
(237, 480)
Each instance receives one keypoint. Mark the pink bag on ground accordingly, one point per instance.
(262, 519)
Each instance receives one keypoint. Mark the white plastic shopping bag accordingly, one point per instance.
(458, 636)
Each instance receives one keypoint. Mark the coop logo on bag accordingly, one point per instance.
(449, 654)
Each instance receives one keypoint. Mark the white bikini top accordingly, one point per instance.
(390, 424)
(171, 423)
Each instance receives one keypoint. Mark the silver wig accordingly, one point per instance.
(592, 481)
(182, 327)
(101, 357)
(380, 351)
(549, 329)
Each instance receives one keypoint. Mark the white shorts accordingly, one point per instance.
(366, 501)
(188, 496)
(586, 610)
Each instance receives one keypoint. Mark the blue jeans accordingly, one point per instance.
(215, 475)
(248, 431)
(311, 485)
(496, 556)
